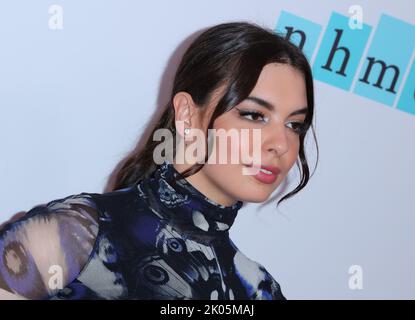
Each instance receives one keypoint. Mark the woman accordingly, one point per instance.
(163, 231)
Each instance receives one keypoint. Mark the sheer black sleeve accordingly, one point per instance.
(47, 247)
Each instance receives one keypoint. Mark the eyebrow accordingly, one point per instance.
(271, 107)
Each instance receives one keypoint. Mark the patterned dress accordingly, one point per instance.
(153, 240)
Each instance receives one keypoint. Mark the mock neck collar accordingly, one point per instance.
(185, 206)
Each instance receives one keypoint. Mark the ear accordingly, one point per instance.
(185, 109)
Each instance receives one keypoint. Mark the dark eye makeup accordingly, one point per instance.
(251, 115)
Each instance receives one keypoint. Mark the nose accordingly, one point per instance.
(276, 140)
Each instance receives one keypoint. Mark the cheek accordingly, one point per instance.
(243, 146)
(292, 153)
(228, 142)
(249, 148)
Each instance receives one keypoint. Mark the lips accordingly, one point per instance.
(266, 177)
(275, 170)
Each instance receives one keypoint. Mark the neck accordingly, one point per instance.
(184, 206)
(202, 183)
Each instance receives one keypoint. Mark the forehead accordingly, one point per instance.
(282, 85)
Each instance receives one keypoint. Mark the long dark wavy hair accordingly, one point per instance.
(232, 55)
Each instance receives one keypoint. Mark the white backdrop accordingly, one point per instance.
(74, 101)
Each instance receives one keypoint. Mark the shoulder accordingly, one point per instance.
(260, 284)
(76, 208)
(118, 200)
(269, 288)
(52, 239)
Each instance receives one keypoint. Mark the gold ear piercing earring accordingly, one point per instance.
(187, 130)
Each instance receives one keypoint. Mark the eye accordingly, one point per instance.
(252, 115)
(298, 127)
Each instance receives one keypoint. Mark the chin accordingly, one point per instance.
(255, 198)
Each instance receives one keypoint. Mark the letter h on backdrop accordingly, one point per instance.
(341, 49)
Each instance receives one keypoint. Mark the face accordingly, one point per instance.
(271, 107)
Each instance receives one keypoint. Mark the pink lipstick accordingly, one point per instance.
(267, 174)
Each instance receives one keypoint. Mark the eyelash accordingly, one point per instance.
(301, 126)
